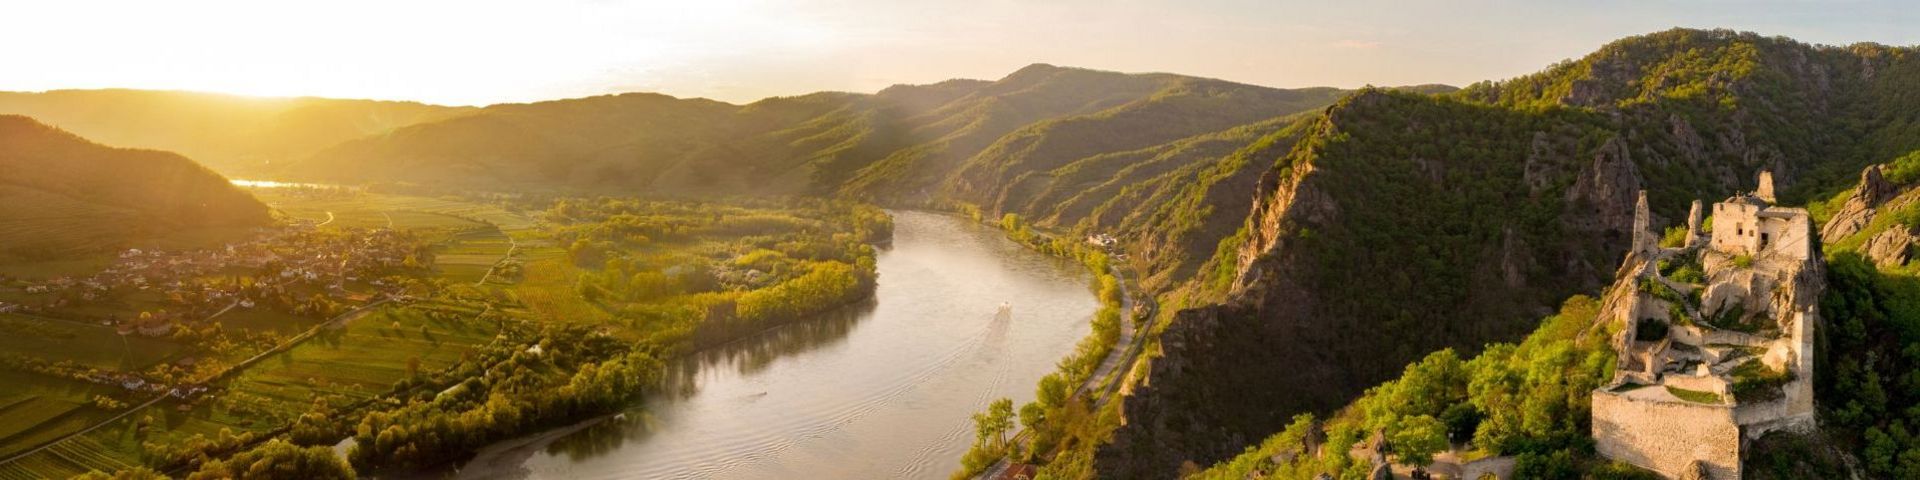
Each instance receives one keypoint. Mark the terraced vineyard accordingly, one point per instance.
(345, 364)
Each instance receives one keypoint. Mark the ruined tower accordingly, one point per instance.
(1695, 225)
(1644, 241)
(1765, 190)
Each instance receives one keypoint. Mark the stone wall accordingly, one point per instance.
(1667, 437)
(1734, 225)
(1700, 383)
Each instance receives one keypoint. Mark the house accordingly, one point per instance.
(1017, 471)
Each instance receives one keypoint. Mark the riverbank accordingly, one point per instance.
(881, 392)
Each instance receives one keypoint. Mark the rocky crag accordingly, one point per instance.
(1402, 224)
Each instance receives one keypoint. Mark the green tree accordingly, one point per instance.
(277, 459)
(1417, 439)
(133, 473)
(995, 422)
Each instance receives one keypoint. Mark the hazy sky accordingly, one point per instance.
(484, 51)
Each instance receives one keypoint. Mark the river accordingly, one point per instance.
(884, 389)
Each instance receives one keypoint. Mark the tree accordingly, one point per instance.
(1053, 390)
(1416, 439)
(994, 423)
(1032, 416)
(132, 473)
(277, 459)
(1002, 412)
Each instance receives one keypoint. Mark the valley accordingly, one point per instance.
(1061, 273)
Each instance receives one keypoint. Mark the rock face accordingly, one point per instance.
(1873, 190)
(1295, 337)
(1891, 248)
(1400, 226)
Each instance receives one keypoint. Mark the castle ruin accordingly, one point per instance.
(1714, 338)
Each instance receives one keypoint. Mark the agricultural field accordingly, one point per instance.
(468, 257)
(347, 363)
(477, 281)
(92, 346)
(36, 407)
(368, 355)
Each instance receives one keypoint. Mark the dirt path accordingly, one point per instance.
(513, 245)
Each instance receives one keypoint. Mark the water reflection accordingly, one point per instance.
(751, 355)
(883, 389)
(745, 357)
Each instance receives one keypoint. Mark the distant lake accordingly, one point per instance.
(882, 390)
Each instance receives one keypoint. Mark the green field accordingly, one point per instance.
(468, 256)
(395, 211)
(366, 356)
(265, 320)
(38, 408)
(90, 345)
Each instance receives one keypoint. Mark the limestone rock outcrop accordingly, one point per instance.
(1874, 189)
(1891, 248)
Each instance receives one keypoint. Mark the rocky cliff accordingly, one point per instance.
(1404, 223)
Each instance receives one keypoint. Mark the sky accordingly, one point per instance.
(477, 52)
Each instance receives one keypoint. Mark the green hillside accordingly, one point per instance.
(900, 145)
(63, 194)
(1404, 224)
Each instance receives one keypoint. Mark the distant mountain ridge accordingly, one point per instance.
(900, 144)
(1070, 148)
(229, 133)
(60, 193)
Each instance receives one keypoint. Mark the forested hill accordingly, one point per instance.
(1402, 224)
(230, 133)
(899, 144)
(1064, 148)
(60, 193)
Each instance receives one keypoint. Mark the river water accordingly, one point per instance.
(884, 389)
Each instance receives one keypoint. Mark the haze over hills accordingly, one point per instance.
(229, 133)
(899, 143)
(1305, 244)
(1066, 147)
(62, 193)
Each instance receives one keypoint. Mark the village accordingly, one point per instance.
(187, 297)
